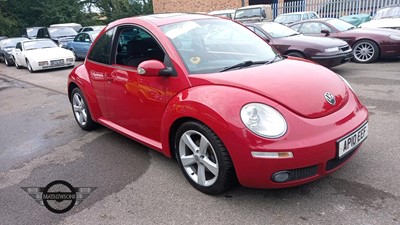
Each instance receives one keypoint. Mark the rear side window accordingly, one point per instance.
(102, 48)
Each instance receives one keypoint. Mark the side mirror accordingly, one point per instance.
(326, 32)
(263, 14)
(153, 68)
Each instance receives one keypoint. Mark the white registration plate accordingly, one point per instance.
(348, 143)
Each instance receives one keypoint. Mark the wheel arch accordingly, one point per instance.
(294, 51)
(82, 82)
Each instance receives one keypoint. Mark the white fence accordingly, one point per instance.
(333, 8)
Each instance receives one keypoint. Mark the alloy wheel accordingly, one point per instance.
(79, 108)
(364, 52)
(198, 158)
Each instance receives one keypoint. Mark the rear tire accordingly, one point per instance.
(6, 61)
(81, 110)
(203, 158)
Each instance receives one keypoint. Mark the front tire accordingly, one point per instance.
(16, 64)
(81, 110)
(365, 51)
(203, 158)
(29, 66)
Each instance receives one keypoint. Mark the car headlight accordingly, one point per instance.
(394, 37)
(334, 49)
(346, 82)
(263, 120)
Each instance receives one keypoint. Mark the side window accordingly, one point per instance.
(136, 45)
(252, 29)
(259, 33)
(305, 16)
(40, 33)
(310, 28)
(313, 16)
(86, 38)
(19, 46)
(296, 27)
(78, 38)
(102, 48)
(324, 27)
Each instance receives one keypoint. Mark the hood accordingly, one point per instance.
(253, 19)
(383, 23)
(49, 53)
(312, 42)
(297, 85)
(373, 31)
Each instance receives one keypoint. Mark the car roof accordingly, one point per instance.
(312, 20)
(252, 6)
(293, 13)
(163, 19)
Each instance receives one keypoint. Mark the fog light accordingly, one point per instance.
(281, 176)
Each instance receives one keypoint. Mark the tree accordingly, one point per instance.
(117, 9)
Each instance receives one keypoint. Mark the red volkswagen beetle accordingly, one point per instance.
(215, 96)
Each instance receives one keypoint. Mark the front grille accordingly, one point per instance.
(333, 163)
(345, 48)
(298, 174)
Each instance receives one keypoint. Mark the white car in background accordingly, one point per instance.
(386, 17)
(230, 13)
(41, 54)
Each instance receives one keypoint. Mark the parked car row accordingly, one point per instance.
(56, 46)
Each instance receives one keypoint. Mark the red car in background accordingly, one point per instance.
(368, 44)
(216, 97)
(329, 52)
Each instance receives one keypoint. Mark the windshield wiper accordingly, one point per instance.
(275, 58)
(244, 64)
(351, 28)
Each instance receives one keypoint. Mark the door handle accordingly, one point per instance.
(109, 77)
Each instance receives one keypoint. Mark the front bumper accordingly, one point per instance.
(332, 60)
(312, 142)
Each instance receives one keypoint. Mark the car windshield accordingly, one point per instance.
(390, 12)
(247, 13)
(32, 31)
(62, 31)
(11, 42)
(30, 45)
(340, 24)
(289, 18)
(212, 45)
(277, 30)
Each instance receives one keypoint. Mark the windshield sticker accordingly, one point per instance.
(195, 60)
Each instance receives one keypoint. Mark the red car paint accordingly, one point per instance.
(148, 108)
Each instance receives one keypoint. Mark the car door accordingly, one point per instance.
(19, 54)
(136, 102)
(77, 44)
(99, 68)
